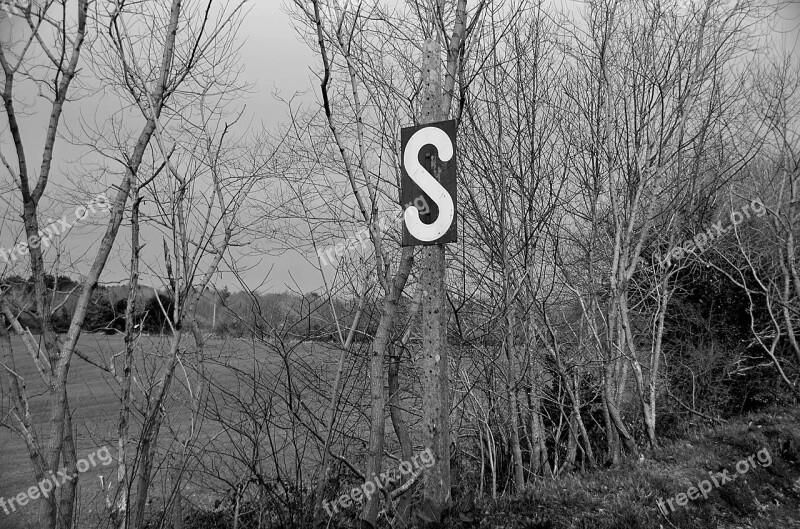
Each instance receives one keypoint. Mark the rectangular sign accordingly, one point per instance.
(428, 183)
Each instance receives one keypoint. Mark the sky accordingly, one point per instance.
(279, 64)
(275, 62)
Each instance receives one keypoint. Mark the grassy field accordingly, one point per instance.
(94, 399)
(623, 497)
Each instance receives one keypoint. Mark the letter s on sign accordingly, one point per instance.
(420, 175)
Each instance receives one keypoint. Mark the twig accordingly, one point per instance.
(703, 415)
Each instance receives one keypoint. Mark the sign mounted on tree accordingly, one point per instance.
(429, 170)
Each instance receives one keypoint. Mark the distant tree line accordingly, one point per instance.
(236, 315)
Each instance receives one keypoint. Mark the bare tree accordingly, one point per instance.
(151, 85)
(49, 23)
(761, 257)
(206, 174)
(366, 142)
(670, 110)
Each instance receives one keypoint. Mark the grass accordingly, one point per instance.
(625, 497)
(94, 400)
(618, 498)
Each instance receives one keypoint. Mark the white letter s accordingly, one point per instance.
(420, 175)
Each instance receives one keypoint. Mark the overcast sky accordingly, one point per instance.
(274, 60)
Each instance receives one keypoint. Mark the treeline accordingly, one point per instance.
(222, 313)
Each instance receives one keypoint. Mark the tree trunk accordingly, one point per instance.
(333, 407)
(539, 458)
(614, 416)
(576, 411)
(388, 313)
(434, 358)
(148, 443)
(401, 429)
(572, 445)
